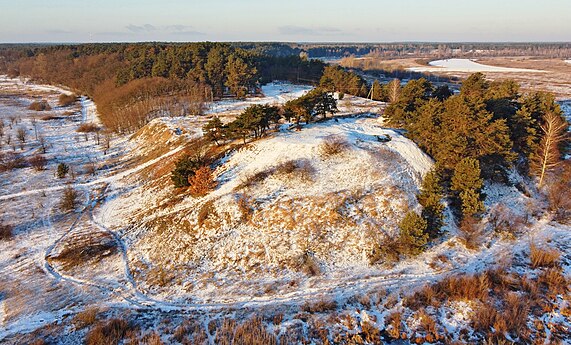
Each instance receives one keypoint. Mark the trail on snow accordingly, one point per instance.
(107, 179)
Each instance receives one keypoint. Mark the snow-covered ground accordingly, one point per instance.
(467, 65)
(274, 93)
(568, 61)
(246, 251)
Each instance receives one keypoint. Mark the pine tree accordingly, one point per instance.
(377, 91)
(213, 130)
(467, 184)
(430, 198)
(214, 66)
(240, 76)
(413, 236)
(62, 170)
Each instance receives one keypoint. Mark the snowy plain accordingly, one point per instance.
(467, 65)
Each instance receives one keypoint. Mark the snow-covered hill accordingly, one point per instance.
(279, 200)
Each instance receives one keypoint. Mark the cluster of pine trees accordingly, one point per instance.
(478, 133)
(257, 119)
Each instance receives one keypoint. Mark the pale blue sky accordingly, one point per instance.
(285, 20)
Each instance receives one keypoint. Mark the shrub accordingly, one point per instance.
(42, 105)
(185, 168)
(558, 192)
(253, 179)
(202, 182)
(38, 162)
(66, 100)
(88, 128)
(332, 146)
(243, 204)
(5, 232)
(471, 232)
(69, 199)
(108, 333)
(394, 322)
(301, 169)
(62, 170)
(543, 257)
(307, 264)
(11, 161)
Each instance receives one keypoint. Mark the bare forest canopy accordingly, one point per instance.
(437, 50)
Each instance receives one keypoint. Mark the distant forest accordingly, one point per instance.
(133, 83)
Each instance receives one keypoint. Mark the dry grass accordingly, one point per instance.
(152, 339)
(320, 306)
(543, 256)
(554, 281)
(225, 333)
(332, 146)
(206, 210)
(253, 332)
(109, 333)
(394, 322)
(85, 318)
(465, 287)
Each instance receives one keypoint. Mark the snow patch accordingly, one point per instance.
(467, 65)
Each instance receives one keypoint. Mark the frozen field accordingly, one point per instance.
(467, 65)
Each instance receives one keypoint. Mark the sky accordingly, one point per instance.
(285, 20)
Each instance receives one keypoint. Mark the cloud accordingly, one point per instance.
(141, 28)
(302, 30)
(179, 30)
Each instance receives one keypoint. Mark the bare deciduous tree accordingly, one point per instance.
(34, 122)
(21, 135)
(394, 90)
(548, 156)
(42, 142)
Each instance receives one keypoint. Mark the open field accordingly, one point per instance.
(553, 75)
